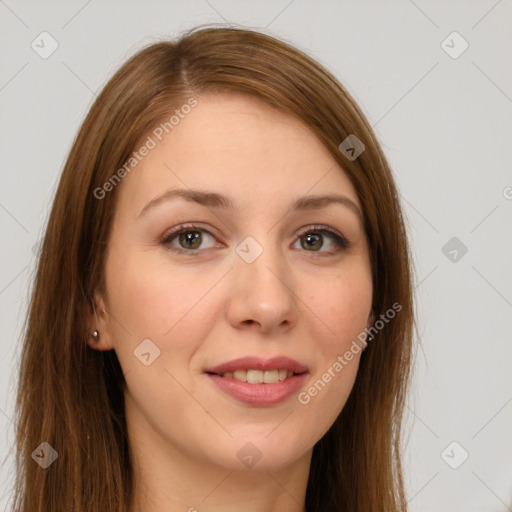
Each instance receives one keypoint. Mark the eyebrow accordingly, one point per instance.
(215, 200)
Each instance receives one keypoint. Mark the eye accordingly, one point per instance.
(312, 240)
(186, 239)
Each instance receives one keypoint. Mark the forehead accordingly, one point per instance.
(239, 145)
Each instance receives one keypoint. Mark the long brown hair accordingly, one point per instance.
(71, 396)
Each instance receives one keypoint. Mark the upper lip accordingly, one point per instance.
(258, 363)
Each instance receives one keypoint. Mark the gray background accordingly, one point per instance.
(445, 123)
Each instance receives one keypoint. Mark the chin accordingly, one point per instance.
(258, 451)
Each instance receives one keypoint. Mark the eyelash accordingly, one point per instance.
(340, 241)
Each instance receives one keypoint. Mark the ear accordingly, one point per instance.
(97, 319)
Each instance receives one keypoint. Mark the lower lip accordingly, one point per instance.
(259, 395)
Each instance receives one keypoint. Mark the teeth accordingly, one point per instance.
(271, 376)
(254, 376)
(258, 376)
(240, 375)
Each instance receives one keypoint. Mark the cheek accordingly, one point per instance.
(342, 304)
(323, 399)
(171, 307)
(160, 301)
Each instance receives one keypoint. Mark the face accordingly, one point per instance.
(194, 282)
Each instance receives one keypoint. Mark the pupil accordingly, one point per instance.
(192, 239)
(313, 241)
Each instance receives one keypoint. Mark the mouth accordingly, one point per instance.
(258, 382)
(253, 376)
(257, 370)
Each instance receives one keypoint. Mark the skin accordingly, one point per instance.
(307, 303)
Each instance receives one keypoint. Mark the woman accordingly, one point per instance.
(222, 313)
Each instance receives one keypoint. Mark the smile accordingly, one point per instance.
(258, 376)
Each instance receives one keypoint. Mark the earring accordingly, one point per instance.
(95, 336)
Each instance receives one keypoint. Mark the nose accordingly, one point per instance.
(262, 294)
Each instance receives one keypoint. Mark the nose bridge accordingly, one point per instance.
(262, 289)
(258, 263)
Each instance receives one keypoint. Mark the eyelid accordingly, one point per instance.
(340, 240)
(319, 227)
(183, 228)
(192, 226)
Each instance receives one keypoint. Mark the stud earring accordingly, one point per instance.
(95, 336)
(369, 339)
